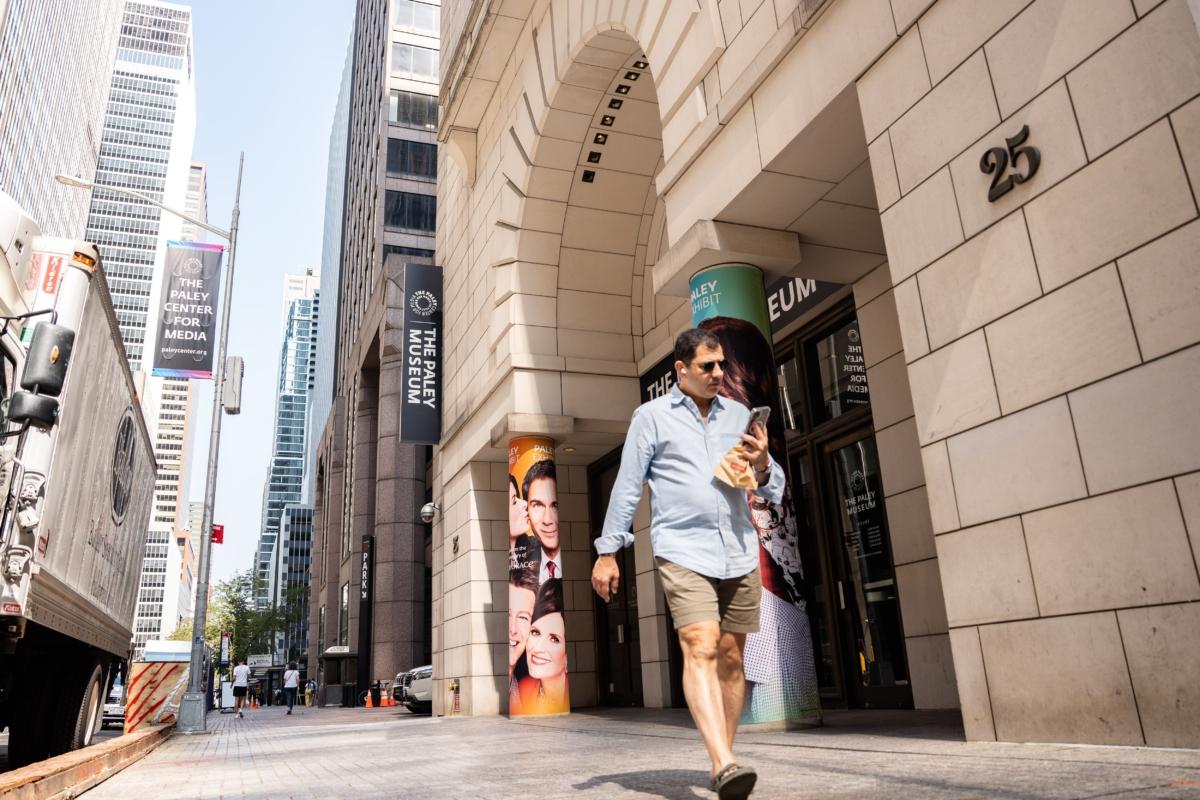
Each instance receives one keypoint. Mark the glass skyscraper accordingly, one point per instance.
(146, 146)
(297, 365)
(56, 59)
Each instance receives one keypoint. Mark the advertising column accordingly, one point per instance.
(537, 641)
(781, 678)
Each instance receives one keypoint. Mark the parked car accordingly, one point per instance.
(114, 706)
(399, 685)
(416, 689)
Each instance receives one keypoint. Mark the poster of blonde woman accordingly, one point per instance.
(537, 642)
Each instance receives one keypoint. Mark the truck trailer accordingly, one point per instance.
(77, 475)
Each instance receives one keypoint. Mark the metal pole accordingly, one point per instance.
(192, 710)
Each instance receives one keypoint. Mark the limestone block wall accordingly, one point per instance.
(922, 610)
(1050, 340)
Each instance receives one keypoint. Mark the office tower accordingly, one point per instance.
(56, 59)
(293, 554)
(388, 218)
(147, 147)
(286, 472)
(321, 401)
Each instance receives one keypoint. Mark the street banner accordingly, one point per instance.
(421, 398)
(781, 677)
(187, 311)
(224, 657)
(537, 641)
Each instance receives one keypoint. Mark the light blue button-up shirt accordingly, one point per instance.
(697, 521)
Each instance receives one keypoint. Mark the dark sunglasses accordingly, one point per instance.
(707, 366)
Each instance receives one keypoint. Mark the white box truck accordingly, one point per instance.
(77, 475)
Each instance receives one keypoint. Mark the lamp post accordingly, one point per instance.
(192, 710)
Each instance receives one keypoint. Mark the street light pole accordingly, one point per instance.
(193, 709)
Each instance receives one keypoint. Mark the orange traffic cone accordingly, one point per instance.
(388, 702)
(369, 703)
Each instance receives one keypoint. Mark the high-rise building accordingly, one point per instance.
(293, 555)
(56, 59)
(286, 473)
(321, 401)
(147, 146)
(388, 218)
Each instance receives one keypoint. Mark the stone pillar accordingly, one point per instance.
(781, 680)
(400, 635)
(362, 486)
(537, 675)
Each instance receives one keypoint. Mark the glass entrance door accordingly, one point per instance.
(864, 594)
(617, 639)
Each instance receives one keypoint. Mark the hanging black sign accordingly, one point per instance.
(421, 398)
(788, 299)
(366, 603)
(187, 318)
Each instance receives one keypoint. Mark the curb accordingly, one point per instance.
(71, 774)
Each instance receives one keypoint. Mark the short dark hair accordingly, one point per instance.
(549, 599)
(687, 342)
(542, 469)
(522, 578)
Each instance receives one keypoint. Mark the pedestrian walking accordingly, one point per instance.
(241, 684)
(702, 536)
(291, 683)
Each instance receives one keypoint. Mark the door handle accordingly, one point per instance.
(620, 633)
(841, 597)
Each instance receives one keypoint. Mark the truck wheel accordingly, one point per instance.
(81, 726)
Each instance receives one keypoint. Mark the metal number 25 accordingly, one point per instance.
(997, 160)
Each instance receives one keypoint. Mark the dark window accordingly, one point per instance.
(410, 211)
(413, 110)
(412, 158)
(424, 255)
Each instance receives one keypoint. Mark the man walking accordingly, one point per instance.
(702, 536)
(241, 684)
(291, 684)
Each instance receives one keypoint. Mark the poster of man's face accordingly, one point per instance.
(537, 644)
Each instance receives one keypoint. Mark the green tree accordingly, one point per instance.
(232, 610)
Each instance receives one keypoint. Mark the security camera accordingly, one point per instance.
(429, 511)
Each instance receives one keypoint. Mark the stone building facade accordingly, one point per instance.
(366, 483)
(1031, 358)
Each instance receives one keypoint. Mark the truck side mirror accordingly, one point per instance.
(33, 409)
(45, 369)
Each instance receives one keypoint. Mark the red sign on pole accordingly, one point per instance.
(218, 534)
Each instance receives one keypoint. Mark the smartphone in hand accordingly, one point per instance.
(758, 414)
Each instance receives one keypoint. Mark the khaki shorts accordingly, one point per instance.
(693, 598)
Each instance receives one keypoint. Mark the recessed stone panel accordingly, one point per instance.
(1161, 645)
(1060, 680)
(952, 389)
(1162, 286)
(1123, 549)
(981, 281)
(1140, 425)
(985, 574)
(1066, 339)
(971, 678)
(1017, 463)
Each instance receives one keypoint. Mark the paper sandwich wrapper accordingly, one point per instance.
(734, 469)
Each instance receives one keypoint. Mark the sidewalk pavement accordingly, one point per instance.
(627, 753)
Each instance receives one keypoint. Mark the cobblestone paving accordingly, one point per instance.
(378, 753)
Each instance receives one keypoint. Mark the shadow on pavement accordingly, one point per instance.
(671, 784)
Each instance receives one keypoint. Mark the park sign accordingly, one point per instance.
(187, 318)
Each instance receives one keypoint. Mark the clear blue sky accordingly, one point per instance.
(267, 77)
